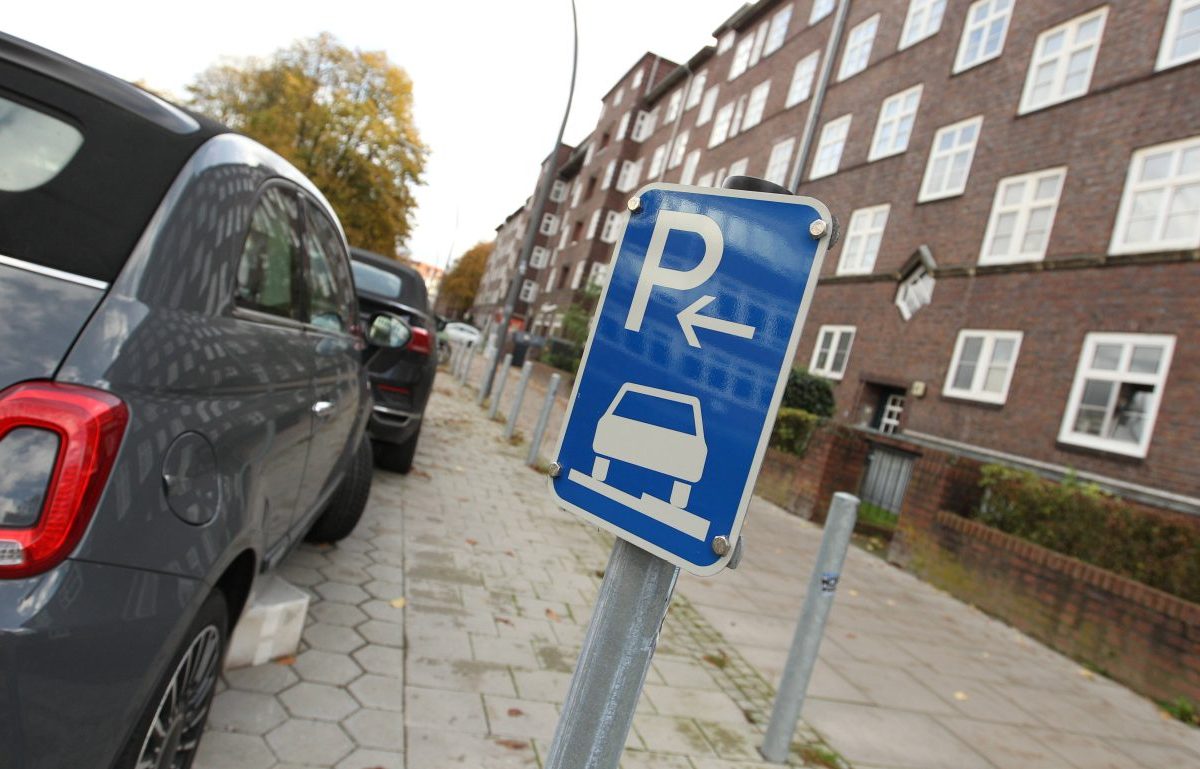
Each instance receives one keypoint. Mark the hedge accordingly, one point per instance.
(808, 391)
(793, 430)
(1082, 521)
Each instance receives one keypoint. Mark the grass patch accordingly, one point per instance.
(1184, 710)
(819, 755)
(877, 516)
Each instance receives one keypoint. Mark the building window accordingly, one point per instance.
(550, 280)
(630, 173)
(593, 224)
(673, 105)
(858, 48)
(924, 19)
(577, 231)
(707, 106)
(591, 152)
(950, 159)
(529, 291)
(549, 225)
(612, 227)
(609, 171)
(1022, 215)
(896, 117)
(618, 96)
(862, 240)
(637, 79)
(983, 364)
(777, 164)
(741, 57)
(1160, 209)
(820, 9)
(566, 233)
(1063, 60)
(754, 108)
(656, 161)
(1117, 390)
(577, 276)
(576, 191)
(832, 351)
(802, 79)
(760, 39)
(726, 42)
(983, 34)
(738, 168)
(915, 292)
(644, 125)
(558, 191)
(705, 180)
(696, 90)
(597, 274)
(1181, 38)
(689, 167)
(720, 129)
(678, 150)
(623, 126)
(830, 146)
(539, 257)
(778, 31)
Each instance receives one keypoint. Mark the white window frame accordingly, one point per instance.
(551, 279)
(637, 79)
(1168, 188)
(1166, 57)
(903, 119)
(756, 105)
(778, 31)
(760, 39)
(656, 161)
(597, 274)
(857, 54)
(983, 365)
(576, 191)
(549, 225)
(678, 150)
(674, 106)
(619, 96)
(822, 166)
(986, 23)
(708, 105)
(690, 163)
(780, 161)
(834, 334)
(577, 276)
(1022, 211)
(1060, 60)
(623, 126)
(612, 227)
(738, 168)
(820, 9)
(705, 180)
(918, 287)
(529, 291)
(696, 90)
(558, 191)
(741, 57)
(644, 125)
(863, 238)
(630, 173)
(1084, 371)
(720, 128)
(593, 224)
(936, 154)
(610, 171)
(923, 21)
(802, 79)
(726, 42)
(539, 257)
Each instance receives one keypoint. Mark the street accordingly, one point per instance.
(443, 633)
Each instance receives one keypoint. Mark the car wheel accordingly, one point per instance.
(346, 506)
(397, 457)
(169, 731)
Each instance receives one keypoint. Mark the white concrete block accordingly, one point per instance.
(270, 626)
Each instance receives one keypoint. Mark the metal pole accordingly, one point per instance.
(818, 97)
(515, 409)
(504, 367)
(488, 365)
(456, 353)
(535, 445)
(612, 666)
(545, 182)
(466, 372)
(811, 627)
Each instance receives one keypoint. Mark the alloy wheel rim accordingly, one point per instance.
(174, 732)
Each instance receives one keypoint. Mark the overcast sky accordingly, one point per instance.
(490, 76)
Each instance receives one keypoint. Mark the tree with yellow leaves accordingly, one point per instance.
(342, 116)
(456, 294)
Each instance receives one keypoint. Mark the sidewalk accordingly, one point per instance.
(443, 633)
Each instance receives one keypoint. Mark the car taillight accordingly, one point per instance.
(420, 341)
(59, 442)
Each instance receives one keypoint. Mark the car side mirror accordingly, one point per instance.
(388, 330)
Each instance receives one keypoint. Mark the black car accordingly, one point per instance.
(401, 376)
(182, 400)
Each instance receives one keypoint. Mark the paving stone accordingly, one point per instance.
(332, 638)
(671, 734)
(520, 718)
(337, 613)
(316, 742)
(225, 750)
(443, 709)
(379, 692)
(379, 729)
(504, 651)
(326, 667)
(366, 758)
(246, 712)
(431, 748)
(382, 660)
(461, 675)
(342, 593)
(382, 633)
(268, 678)
(872, 735)
(319, 701)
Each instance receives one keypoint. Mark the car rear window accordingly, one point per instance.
(653, 410)
(376, 281)
(34, 147)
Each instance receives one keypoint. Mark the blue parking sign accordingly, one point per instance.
(685, 367)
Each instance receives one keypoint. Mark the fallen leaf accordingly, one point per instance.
(853, 592)
(852, 635)
(512, 744)
(510, 554)
(398, 603)
(1089, 675)
(552, 615)
(472, 542)
(514, 712)
(960, 696)
(504, 620)
(288, 660)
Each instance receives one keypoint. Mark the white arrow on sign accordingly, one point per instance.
(690, 318)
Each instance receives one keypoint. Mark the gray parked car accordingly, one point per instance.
(182, 399)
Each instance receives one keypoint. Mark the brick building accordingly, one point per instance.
(1018, 188)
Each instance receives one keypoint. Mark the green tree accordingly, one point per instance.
(456, 294)
(342, 116)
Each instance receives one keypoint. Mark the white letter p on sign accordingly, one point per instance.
(654, 275)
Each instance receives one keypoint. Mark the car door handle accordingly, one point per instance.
(322, 409)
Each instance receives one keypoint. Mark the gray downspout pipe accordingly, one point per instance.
(818, 97)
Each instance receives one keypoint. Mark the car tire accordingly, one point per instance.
(175, 724)
(398, 457)
(349, 500)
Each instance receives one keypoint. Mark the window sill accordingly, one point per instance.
(1110, 450)
(972, 400)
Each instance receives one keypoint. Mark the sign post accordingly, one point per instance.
(673, 404)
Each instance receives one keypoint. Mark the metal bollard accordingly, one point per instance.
(543, 418)
(488, 367)
(469, 360)
(515, 409)
(505, 365)
(455, 358)
(802, 657)
(461, 352)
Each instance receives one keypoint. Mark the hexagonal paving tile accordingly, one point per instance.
(375, 759)
(377, 729)
(246, 712)
(380, 632)
(337, 613)
(269, 678)
(219, 750)
(379, 692)
(342, 592)
(319, 701)
(326, 667)
(382, 660)
(309, 742)
(332, 638)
